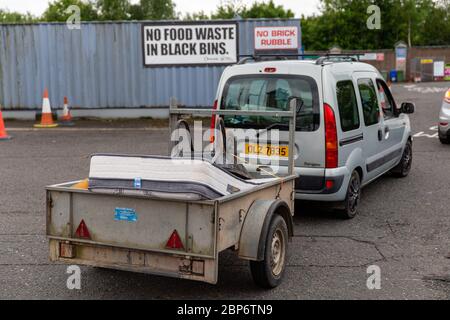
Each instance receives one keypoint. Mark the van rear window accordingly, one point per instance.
(271, 93)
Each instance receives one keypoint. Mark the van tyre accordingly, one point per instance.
(404, 167)
(353, 197)
(269, 273)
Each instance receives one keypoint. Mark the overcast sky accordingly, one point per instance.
(37, 7)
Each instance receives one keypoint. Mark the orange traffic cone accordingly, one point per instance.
(47, 117)
(3, 134)
(66, 119)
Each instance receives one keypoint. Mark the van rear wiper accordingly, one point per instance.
(272, 126)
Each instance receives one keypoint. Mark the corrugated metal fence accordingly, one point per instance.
(100, 66)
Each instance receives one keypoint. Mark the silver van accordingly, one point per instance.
(350, 130)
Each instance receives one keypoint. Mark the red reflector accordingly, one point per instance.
(213, 123)
(331, 141)
(329, 184)
(174, 241)
(82, 231)
(270, 70)
(443, 124)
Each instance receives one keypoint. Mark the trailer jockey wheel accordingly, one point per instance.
(269, 273)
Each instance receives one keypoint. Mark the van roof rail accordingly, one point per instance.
(320, 61)
(271, 57)
(338, 58)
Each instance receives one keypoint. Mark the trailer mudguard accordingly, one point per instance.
(252, 242)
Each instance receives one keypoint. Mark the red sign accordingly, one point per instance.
(276, 38)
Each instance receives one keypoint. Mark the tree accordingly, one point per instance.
(343, 22)
(201, 15)
(111, 10)
(232, 8)
(228, 10)
(267, 10)
(57, 10)
(153, 10)
(438, 19)
(15, 17)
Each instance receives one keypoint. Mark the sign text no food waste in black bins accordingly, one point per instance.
(190, 44)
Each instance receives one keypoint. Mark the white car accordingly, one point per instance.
(444, 120)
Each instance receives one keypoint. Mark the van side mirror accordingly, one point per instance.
(407, 107)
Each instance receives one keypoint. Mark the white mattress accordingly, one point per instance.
(164, 177)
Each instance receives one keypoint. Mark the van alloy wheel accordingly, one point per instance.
(351, 203)
(404, 167)
(407, 159)
(354, 193)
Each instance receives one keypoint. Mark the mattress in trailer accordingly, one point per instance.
(169, 178)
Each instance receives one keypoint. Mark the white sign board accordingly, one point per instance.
(190, 44)
(439, 68)
(276, 38)
(372, 57)
(368, 57)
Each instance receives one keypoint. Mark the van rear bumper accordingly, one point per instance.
(314, 188)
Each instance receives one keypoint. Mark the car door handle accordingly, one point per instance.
(387, 132)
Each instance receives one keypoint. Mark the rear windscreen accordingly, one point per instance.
(271, 93)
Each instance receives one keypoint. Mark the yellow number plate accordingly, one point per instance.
(266, 150)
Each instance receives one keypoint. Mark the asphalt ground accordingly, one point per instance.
(403, 225)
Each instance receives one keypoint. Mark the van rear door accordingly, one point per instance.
(259, 145)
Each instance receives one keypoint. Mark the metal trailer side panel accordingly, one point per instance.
(232, 214)
(156, 221)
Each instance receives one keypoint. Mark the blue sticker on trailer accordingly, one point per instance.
(137, 183)
(125, 214)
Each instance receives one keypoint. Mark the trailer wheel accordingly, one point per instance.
(269, 273)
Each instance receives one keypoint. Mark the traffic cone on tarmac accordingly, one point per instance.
(47, 117)
(3, 134)
(66, 119)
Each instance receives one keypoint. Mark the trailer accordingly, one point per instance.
(176, 236)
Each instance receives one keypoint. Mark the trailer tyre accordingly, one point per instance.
(269, 273)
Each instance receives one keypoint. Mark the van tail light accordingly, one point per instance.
(331, 141)
(447, 96)
(174, 241)
(213, 123)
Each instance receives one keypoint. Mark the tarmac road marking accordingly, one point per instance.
(422, 134)
(425, 135)
(415, 88)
